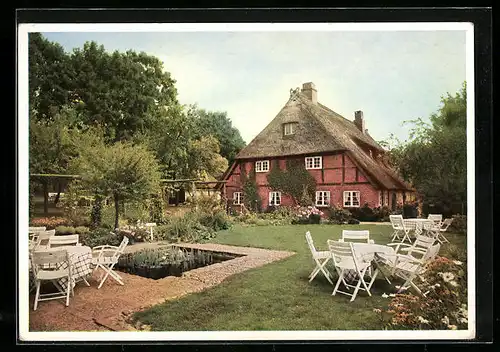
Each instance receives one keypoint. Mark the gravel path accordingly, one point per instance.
(107, 308)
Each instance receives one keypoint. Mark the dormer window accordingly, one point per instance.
(289, 128)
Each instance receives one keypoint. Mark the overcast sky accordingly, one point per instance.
(390, 76)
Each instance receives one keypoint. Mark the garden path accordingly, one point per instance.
(108, 308)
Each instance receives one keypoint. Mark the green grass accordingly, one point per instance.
(277, 296)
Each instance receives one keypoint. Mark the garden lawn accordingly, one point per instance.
(278, 296)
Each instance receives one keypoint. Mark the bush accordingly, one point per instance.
(443, 307)
(133, 234)
(309, 214)
(459, 224)
(184, 229)
(82, 230)
(353, 222)
(364, 213)
(51, 222)
(382, 213)
(338, 215)
(99, 237)
(216, 221)
(65, 230)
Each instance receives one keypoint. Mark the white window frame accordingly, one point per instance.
(314, 162)
(322, 198)
(259, 166)
(348, 199)
(380, 199)
(238, 198)
(291, 126)
(273, 196)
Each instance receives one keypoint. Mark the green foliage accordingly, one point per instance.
(82, 230)
(459, 224)
(125, 171)
(100, 237)
(50, 75)
(434, 159)
(295, 181)
(251, 198)
(184, 229)
(218, 125)
(65, 230)
(338, 215)
(156, 209)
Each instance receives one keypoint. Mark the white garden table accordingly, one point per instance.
(417, 224)
(370, 252)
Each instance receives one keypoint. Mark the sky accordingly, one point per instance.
(392, 76)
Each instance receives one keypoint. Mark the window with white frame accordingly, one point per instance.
(351, 199)
(322, 198)
(237, 198)
(274, 198)
(262, 166)
(386, 198)
(313, 162)
(380, 198)
(289, 128)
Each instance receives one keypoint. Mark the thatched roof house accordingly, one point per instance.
(306, 128)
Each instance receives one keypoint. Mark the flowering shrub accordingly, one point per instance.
(444, 305)
(308, 215)
(51, 222)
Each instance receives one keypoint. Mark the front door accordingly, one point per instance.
(393, 205)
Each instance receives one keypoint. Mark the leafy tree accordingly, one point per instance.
(218, 124)
(120, 91)
(50, 77)
(124, 171)
(434, 159)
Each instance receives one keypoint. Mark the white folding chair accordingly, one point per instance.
(43, 238)
(49, 266)
(442, 229)
(349, 268)
(106, 257)
(33, 232)
(320, 258)
(399, 228)
(409, 267)
(356, 235)
(435, 217)
(67, 240)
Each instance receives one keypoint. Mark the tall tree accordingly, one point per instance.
(434, 159)
(50, 77)
(121, 91)
(219, 125)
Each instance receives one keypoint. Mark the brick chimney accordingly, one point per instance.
(309, 89)
(359, 121)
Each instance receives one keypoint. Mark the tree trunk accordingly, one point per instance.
(95, 217)
(59, 187)
(45, 198)
(117, 209)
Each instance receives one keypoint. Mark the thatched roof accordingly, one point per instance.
(320, 130)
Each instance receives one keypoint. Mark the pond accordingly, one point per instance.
(169, 261)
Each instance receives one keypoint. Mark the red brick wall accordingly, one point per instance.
(332, 172)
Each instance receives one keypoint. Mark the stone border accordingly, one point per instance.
(111, 306)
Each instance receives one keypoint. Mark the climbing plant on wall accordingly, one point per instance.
(295, 181)
(251, 198)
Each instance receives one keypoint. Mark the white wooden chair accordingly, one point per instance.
(349, 268)
(442, 229)
(66, 240)
(106, 257)
(320, 258)
(33, 231)
(43, 238)
(410, 266)
(421, 242)
(46, 266)
(399, 228)
(356, 235)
